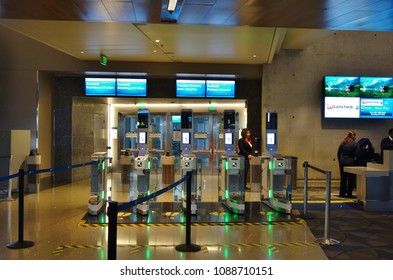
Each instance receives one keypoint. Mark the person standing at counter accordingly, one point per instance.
(387, 143)
(245, 149)
(347, 154)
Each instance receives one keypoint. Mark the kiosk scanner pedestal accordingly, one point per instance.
(232, 167)
(187, 163)
(141, 186)
(276, 171)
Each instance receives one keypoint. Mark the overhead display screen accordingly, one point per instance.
(100, 86)
(131, 87)
(220, 89)
(190, 88)
(358, 97)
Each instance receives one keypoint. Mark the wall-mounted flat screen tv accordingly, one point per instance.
(376, 97)
(190, 88)
(358, 97)
(131, 87)
(220, 89)
(100, 87)
(341, 97)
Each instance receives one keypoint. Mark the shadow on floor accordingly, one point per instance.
(362, 235)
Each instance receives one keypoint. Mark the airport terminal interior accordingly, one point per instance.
(139, 135)
(186, 207)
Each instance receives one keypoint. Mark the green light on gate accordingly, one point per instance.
(226, 194)
(226, 253)
(271, 165)
(226, 165)
(269, 252)
(148, 165)
(148, 254)
(270, 193)
(103, 165)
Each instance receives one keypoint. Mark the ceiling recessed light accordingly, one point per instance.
(157, 41)
(254, 55)
(172, 5)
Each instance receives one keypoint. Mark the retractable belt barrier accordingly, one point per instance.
(30, 172)
(325, 240)
(112, 211)
(114, 208)
(21, 243)
(133, 203)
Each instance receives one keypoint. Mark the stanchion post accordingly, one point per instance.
(326, 240)
(305, 189)
(10, 181)
(112, 230)
(188, 247)
(21, 243)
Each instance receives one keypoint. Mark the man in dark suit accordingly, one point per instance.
(387, 143)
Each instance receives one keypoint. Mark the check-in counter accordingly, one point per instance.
(374, 184)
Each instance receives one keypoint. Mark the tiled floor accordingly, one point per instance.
(55, 220)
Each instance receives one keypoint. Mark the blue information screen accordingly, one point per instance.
(131, 87)
(220, 89)
(190, 88)
(100, 86)
(376, 108)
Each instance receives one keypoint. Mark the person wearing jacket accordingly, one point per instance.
(386, 143)
(347, 154)
(245, 149)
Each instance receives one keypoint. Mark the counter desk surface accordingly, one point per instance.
(372, 186)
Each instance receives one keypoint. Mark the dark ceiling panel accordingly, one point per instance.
(191, 14)
(92, 10)
(147, 11)
(317, 14)
(121, 10)
(366, 22)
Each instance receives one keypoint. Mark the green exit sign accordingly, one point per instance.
(103, 60)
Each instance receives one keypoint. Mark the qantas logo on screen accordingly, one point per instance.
(332, 107)
(374, 102)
